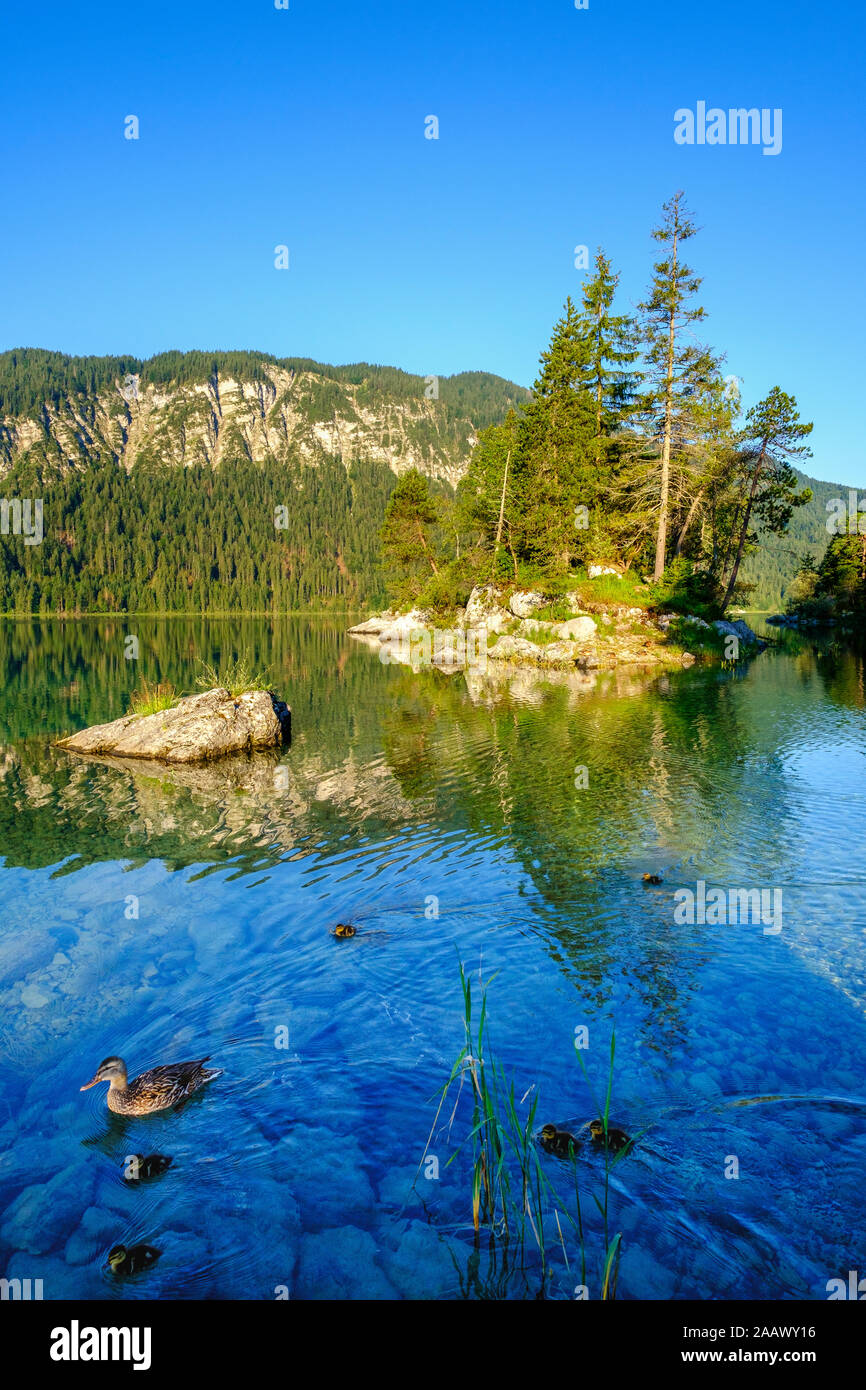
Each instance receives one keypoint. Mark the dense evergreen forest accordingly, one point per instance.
(773, 565)
(167, 530)
(196, 540)
(834, 587)
(632, 450)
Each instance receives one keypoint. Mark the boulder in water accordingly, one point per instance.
(197, 728)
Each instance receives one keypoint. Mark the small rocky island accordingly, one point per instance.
(525, 627)
(198, 728)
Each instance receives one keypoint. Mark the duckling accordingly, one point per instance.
(617, 1139)
(157, 1089)
(133, 1260)
(344, 930)
(138, 1166)
(654, 879)
(558, 1141)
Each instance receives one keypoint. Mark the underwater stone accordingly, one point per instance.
(329, 1178)
(42, 1214)
(421, 1266)
(340, 1263)
(96, 1229)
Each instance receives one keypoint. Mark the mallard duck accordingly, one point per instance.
(344, 929)
(132, 1260)
(616, 1138)
(654, 879)
(138, 1166)
(157, 1089)
(558, 1141)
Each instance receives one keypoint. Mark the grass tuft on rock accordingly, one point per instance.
(237, 676)
(150, 699)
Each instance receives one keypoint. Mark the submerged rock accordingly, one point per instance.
(340, 1263)
(197, 728)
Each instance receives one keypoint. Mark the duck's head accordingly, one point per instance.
(548, 1133)
(112, 1070)
(343, 929)
(116, 1256)
(596, 1129)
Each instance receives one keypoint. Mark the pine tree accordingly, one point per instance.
(675, 367)
(613, 347)
(767, 481)
(554, 468)
(407, 541)
(486, 501)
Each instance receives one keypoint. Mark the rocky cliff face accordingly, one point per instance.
(286, 414)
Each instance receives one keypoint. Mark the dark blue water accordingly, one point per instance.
(166, 914)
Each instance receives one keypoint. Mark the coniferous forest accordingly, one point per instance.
(633, 449)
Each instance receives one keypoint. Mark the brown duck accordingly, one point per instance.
(157, 1089)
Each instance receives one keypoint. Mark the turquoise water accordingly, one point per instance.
(165, 914)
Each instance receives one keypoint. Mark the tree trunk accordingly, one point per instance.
(598, 392)
(759, 467)
(501, 509)
(511, 551)
(423, 541)
(690, 516)
(662, 534)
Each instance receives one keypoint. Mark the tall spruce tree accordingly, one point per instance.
(676, 365)
(554, 465)
(613, 347)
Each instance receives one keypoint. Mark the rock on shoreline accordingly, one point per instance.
(612, 634)
(197, 728)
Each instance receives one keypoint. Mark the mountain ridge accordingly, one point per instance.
(197, 407)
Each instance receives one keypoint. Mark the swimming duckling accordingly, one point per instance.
(558, 1141)
(343, 930)
(145, 1166)
(653, 879)
(132, 1260)
(157, 1089)
(617, 1139)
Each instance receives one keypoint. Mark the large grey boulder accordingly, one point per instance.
(523, 652)
(484, 609)
(524, 602)
(403, 624)
(197, 728)
(580, 629)
(739, 629)
(373, 626)
(514, 649)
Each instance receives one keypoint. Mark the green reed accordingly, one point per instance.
(511, 1194)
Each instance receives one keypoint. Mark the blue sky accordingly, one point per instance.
(305, 127)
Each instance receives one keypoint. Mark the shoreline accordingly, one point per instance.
(497, 625)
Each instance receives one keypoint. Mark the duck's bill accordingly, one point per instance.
(89, 1084)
